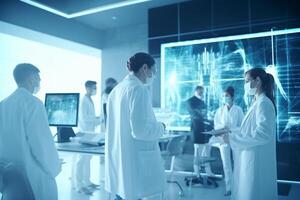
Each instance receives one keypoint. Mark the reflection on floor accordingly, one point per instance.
(194, 193)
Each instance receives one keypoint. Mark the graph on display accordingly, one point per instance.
(217, 63)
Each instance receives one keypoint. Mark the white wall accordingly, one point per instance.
(64, 65)
(119, 45)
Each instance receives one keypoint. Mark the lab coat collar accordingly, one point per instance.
(257, 99)
(131, 76)
(89, 98)
(23, 90)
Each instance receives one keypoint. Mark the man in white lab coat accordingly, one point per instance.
(25, 137)
(254, 144)
(133, 163)
(87, 123)
(228, 115)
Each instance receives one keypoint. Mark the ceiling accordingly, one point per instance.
(107, 19)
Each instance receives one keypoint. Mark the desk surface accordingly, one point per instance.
(80, 148)
(89, 149)
(168, 136)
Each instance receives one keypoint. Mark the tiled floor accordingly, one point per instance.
(194, 193)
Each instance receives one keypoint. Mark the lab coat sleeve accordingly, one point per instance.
(41, 142)
(240, 116)
(85, 115)
(142, 120)
(263, 132)
(217, 120)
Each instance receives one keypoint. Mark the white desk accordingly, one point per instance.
(169, 136)
(79, 148)
(99, 150)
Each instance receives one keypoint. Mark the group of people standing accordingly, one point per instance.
(133, 164)
(229, 115)
(251, 138)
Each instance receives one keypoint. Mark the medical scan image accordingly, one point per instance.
(221, 62)
(62, 109)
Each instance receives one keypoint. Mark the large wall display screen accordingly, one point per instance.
(216, 63)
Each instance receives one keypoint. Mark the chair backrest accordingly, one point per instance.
(175, 145)
(14, 184)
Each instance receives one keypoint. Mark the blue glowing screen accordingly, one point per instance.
(219, 62)
(62, 108)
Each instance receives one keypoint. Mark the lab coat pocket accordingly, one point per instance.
(150, 172)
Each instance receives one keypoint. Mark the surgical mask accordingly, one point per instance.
(227, 100)
(36, 89)
(37, 86)
(248, 89)
(93, 92)
(149, 80)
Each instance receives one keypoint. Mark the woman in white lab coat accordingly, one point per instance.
(231, 116)
(254, 144)
(133, 163)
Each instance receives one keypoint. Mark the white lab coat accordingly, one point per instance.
(26, 140)
(228, 118)
(231, 118)
(87, 123)
(254, 145)
(87, 120)
(133, 163)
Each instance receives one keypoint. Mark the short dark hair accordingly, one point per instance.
(110, 81)
(199, 87)
(138, 60)
(23, 70)
(89, 84)
(230, 91)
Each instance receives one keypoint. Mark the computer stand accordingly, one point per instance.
(64, 134)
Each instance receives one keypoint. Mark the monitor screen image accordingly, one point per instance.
(62, 109)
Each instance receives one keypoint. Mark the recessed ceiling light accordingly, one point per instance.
(84, 12)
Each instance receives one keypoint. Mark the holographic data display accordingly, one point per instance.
(219, 62)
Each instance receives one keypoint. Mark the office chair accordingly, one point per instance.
(202, 179)
(174, 148)
(14, 184)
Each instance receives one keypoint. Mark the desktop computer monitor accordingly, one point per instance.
(62, 112)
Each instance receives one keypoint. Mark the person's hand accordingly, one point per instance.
(221, 132)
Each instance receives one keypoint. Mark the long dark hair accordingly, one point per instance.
(267, 80)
